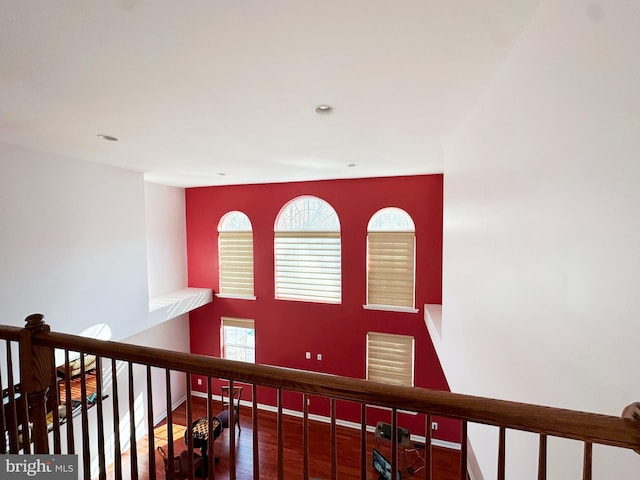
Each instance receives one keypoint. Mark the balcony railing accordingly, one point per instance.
(34, 419)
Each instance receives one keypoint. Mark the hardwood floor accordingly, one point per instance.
(76, 388)
(445, 461)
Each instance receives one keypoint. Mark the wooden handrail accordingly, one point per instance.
(10, 333)
(38, 372)
(589, 427)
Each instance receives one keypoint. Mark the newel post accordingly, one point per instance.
(36, 365)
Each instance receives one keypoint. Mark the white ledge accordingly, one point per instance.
(236, 296)
(389, 308)
(171, 305)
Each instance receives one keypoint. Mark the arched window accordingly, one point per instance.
(307, 252)
(391, 260)
(235, 255)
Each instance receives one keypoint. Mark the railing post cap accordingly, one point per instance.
(35, 321)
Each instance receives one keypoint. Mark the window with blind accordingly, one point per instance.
(391, 260)
(390, 358)
(308, 252)
(235, 255)
(238, 339)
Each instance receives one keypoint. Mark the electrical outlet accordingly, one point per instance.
(199, 381)
(434, 425)
(319, 356)
(308, 355)
(308, 401)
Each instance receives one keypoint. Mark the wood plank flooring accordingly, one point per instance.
(445, 461)
(76, 387)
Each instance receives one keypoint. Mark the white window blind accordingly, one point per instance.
(235, 255)
(390, 358)
(391, 266)
(236, 263)
(308, 266)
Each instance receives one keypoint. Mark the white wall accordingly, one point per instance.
(166, 238)
(542, 231)
(72, 243)
(170, 335)
(167, 270)
(78, 243)
(74, 246)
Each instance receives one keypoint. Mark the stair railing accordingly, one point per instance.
(24, 422)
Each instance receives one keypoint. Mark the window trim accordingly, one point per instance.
(389, 308)
(236, 296)
(393, 263)
(245, 323)
(236, 272)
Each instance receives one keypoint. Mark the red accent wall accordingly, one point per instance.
(285, 330)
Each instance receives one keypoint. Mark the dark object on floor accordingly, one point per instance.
(383, 431)
(382, 466)
(181, 465)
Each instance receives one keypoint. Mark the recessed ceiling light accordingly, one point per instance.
(222, 174)
(351, 165)
(324, 109)
(107, 137)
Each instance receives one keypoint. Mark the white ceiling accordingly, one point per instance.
(194, 89)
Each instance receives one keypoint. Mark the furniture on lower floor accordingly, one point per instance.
(230, 396)
(403, 438)
(75, 367)
(383, 431)
(200, 434)
(180, 465)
